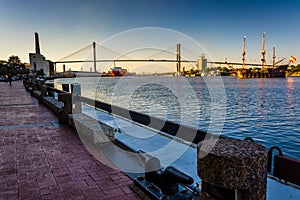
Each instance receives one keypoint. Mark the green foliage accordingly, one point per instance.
(293, 70)
(14, 61)
(224, 71)
(13, 66)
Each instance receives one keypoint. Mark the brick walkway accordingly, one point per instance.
(40, 160)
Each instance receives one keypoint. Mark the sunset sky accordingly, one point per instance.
(218, 25)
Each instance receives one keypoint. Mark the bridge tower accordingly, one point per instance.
(94, 50)
(244, 52)
(178, 59)
(274, 56)
(263, 51)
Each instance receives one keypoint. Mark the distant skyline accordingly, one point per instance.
(218, 25)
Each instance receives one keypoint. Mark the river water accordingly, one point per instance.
(267, 110)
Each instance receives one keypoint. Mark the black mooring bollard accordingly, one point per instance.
(171, 179)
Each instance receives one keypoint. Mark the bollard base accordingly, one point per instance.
(206, 196)
(154, 192)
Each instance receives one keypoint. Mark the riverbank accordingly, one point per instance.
(40, 159)
(122, 133)
(294, 75)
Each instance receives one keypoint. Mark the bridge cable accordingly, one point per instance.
(76, 52)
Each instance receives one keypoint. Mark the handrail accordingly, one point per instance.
(270, 154)
(284, 168)
(165, 126)
(184, 132)
(55, 90)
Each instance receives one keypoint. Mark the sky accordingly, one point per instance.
(217, 25)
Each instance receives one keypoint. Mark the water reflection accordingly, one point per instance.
(267, 110)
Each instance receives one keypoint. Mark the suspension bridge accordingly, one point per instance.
(108, 56)
(115, 56)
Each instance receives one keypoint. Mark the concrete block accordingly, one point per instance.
(235, 166)
(93, 130)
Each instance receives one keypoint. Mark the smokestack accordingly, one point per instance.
(37, 43)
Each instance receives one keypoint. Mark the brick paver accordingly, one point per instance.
(40, 160)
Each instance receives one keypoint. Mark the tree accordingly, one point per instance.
(14, 61)
(294, 69)
(224, 71)
(13, 66)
